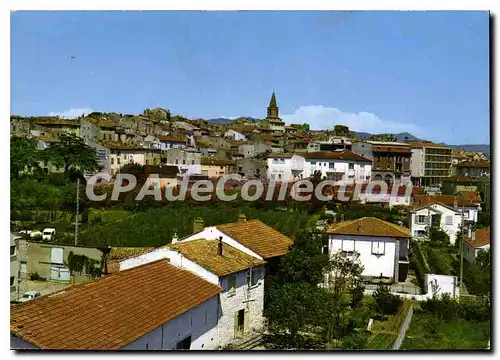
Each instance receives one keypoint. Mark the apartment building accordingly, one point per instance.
(391, 160)
(430, 164)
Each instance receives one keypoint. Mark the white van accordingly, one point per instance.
(48, 234)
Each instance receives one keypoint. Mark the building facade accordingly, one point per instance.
(430, 164)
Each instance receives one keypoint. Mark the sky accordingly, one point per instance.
(426, 73)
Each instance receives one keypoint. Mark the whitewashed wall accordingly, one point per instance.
(374, 265)
(199, 322)
(245, 297)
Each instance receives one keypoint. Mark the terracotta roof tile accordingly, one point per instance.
(171, 139)
(369, 226)
(336, 155)
(111, 312)
(449, 200)
(205, 253)
(482, 238)
(474, 164)
(258, 237)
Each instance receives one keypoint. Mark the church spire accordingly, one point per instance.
(272, 109)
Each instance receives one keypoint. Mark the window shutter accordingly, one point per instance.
(416, 218)
(427, 219)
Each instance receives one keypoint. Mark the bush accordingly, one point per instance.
(474, 309)
(432, 325)
(36, 277)
(445, 308)
(385, 302)
(357, 340)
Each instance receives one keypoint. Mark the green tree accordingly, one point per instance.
(386, 303)
(71, 152)
(305, 262)
(291, 308)
(438, 237)
(344, 276)
(24, 156)
(341, 130)
(477, 277)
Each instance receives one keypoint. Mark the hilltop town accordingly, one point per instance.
(397, 271)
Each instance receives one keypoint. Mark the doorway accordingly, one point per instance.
(184, 344)
(239, 323)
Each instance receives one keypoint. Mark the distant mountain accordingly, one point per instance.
(222, 121)
(484, 148)
(399, 137)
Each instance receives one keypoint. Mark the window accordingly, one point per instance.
(313, 162)
(331, 165)
(13, 250)
(348, 245)
(118, 161)
(183, 162)
(466, 214)
(254, 276)
(362, 166)
(348, 253)
(222, 167)
(275, 161)
(449, 220)
(351, 166)
(378, 247)
(12, 280)
(231, 284)
(421, 219)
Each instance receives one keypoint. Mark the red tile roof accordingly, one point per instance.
(111, 312)
(449, 200)
(258, 237)
(336, 155)
(475, 164)
(369, 226)
(171, 139)
(482, 238)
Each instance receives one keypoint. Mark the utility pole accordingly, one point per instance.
(462, 247)
(77, 205)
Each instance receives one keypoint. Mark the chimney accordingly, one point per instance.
(219, 249)
(175, 238)
(198, 225)
(455, 203)
(470, 232)
(473, 237)
(242, 217)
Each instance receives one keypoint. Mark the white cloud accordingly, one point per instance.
(320, 117)
(72, 113)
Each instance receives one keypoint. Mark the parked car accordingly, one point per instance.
(35, 234)
(48, 234)
(24, 232)
(30, 295)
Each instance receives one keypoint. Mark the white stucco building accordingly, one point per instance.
(383, 247)
(476, 241)
(285, 167)
(233, 134)
(156, 306)
(445, 217)
(14, 267)
(342, 166)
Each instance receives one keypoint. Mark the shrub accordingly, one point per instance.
(432, 325)
(357, 340)
(36, 277)
(474, 309)
(385, 302)
(445, 308)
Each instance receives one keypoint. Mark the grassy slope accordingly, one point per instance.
(457, 334)
(384, 333)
